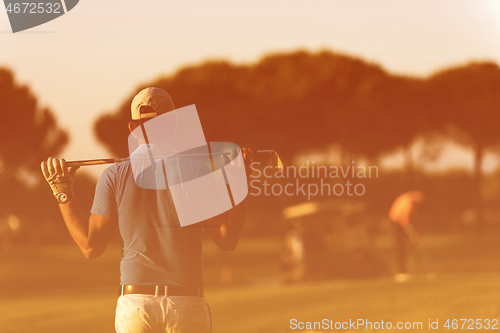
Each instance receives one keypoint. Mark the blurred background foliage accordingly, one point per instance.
(295, 103)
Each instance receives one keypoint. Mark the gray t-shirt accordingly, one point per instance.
(156, 249)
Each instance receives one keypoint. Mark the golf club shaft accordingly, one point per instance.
(117, 160)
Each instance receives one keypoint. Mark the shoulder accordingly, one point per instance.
(111, 173)
(191, 165)
(108, 173)
(199, 165)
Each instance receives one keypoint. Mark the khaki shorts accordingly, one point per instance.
(155, 314)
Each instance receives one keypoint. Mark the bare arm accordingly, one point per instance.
(92, 234)
(225, 229)
(410, 230)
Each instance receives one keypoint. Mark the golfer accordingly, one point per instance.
(161, 287)
(402, 213)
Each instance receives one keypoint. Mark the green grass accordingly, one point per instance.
(58, 290)
(270, 309)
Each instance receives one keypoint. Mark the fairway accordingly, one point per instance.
(64, 292)
(270, 308)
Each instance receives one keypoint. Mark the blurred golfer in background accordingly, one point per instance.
(161, 287)
(402, 213)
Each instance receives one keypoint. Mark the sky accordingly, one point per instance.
(86, 62)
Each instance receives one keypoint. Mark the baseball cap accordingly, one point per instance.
(151, 102)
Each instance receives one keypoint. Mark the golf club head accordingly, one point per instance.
(273, 160)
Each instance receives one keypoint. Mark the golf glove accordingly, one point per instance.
(58, 176)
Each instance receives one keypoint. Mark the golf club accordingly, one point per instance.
(279, 164)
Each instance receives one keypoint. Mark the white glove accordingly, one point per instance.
(58, 176)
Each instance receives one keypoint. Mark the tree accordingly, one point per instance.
(28, 134)
(286, 102)
(469, 98)
(294, 102)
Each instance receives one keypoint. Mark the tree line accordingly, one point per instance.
(298, 101)
(290, 102)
